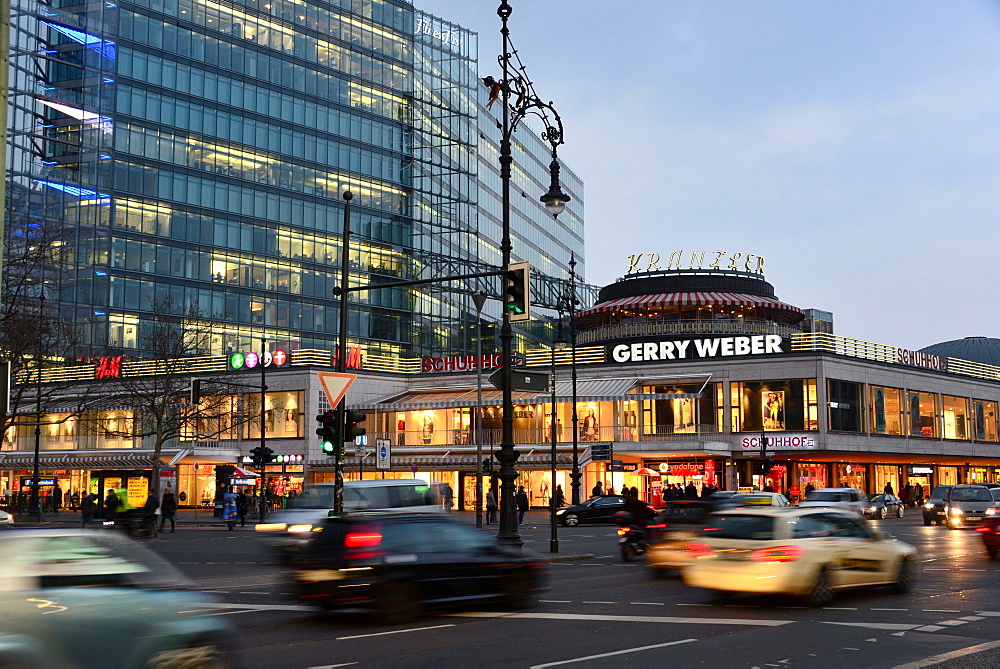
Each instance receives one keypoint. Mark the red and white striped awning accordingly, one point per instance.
(685, 299)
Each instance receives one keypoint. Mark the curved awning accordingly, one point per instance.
(685, 299)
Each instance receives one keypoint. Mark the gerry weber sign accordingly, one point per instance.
(689, 349)
(652, 262)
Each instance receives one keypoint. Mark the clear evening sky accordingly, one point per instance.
(853, 144)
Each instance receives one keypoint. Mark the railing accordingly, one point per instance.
(542, 436)
(734, 327)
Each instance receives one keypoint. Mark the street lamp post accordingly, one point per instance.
(479, 299)
(557, 345)
(345, 249)
(36, 508)
(572, 301)
(525, 101)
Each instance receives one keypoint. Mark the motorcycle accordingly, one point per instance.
(632, 542)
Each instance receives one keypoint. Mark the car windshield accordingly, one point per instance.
(825, 496)
(971, 495)
(875, 499)
(740, 526)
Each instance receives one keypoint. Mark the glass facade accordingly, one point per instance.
(200, 151)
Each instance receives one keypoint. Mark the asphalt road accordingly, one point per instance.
(601, 612)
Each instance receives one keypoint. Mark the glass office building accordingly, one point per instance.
(198, 151)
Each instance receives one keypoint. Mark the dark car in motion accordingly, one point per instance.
(880, 506)
(934, 506)
(600, 509)
(395, 564)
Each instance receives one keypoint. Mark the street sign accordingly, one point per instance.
(521, 380)
(600, 452)
(618, 462)
(383, 454)
(335, 385)
(414, 468)
(615, 468)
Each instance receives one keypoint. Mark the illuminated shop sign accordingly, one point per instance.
(109, 368)
(780, 442)
(278, 459)
(467, 363)
(687, 349)
(652, 262)
(27, 480)
(918, 359)
(353, 358)
(423, 27)
(252, 360)
(920, 469)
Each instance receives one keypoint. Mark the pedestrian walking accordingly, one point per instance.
(521, 501)
(149, 514)
(598, 490)
(447, 496)
(634, 493)
(74, 501)
(559, 498)
(57, 498)
(491, 507)
(111, 504)
(242, 507)
(887, 490)
(168, 510)
(87, 506)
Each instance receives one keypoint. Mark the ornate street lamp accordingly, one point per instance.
(571, 304)
(518, 99)
(557, 345)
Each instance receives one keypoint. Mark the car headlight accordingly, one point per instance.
(992, 511)
(928, 505)
(871, 509)
(560, 512)
(955, 511)
(272, 527)
(298, 529)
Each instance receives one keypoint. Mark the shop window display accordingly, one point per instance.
(986, 420)
(955, 411)
(886, 410)
(845, 406)
(774, 406)
(681, 415)
(922, 410)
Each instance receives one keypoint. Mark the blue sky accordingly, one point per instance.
(853, 144)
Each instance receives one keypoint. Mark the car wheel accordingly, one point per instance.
(992, 551)
(905, 576)
(571, 519)
(927, 521)
(202, 654)
(821, 593)
(397, 603)
(899, 511)
(628, 552)
(881, 513)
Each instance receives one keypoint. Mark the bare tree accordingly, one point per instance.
(157, 398)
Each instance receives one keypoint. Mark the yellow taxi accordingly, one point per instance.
(808, 552)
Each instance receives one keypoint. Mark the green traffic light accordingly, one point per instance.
(327, 446)
(515, 308)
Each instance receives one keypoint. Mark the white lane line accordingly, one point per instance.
(263, 607)
(890, 609)
(229, 613)
(992, 614)
(694, 605)
(333, 666)
(839, 608)
(248, 592)
(412, 629)
(940, 611)
(613, 653)
(874, 626)
(953, 623)
(598, 602)
(756, 622)
(928, 628)
(555, 601)
(647, 603)
(973, 618)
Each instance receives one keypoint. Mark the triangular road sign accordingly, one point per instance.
(335, 385)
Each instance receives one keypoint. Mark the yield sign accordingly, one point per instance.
(335, 385)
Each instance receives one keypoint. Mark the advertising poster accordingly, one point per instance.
(138, 491)
(773, 409)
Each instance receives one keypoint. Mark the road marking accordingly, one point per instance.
(263, 607)
(940, 611)
(555, 601)
(890, 609)
(647, 603)
(757, 622)
(993, 614)
(937, 660)
(848, 648)
(412, 629)
(229, 613)
(874, 626)
(839, 608)
(953, 623)
(694, 605)
(973, 618)
(598, 602)
(613, 653)
(249, 592)
(928, 628)
(333, 666)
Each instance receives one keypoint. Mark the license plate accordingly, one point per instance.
(733, 554)
(973, 517)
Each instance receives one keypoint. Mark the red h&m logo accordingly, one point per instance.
(109, 368)
(353, 358)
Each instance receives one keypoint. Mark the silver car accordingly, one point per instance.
(967, 506)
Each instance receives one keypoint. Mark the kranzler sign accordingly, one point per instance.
(693, 349)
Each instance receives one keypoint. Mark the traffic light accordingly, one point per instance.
(517, 298)
(194, 394)
(488, 465)
(257, 454)
(268, 455)
(352, 427)
(327, 432)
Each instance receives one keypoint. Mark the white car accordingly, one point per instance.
(6, 518)
(807, 552)
(851, 499)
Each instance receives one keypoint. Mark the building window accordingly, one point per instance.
(845, 406)
(684, 414)
(773, 405)
(922, 410)
(955, 411)
(886, 410)
(986, 420)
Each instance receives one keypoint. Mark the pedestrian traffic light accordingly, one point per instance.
(517, 298)
(327, 432)
(352, 425)
(194, 394)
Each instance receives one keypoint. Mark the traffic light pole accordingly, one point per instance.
(263, 445)
(345, 249)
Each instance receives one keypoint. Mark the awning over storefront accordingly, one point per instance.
(450, 462)
(73, 461)
(684, 299)
(239, 471)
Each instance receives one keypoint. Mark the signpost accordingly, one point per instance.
(521, 380)
(383, 454)
(600, 452)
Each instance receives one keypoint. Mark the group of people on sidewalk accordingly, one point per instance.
(112, 506)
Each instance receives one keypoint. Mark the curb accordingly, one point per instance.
(562, 557)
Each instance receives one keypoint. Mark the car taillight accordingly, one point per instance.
(699, 550)
(777, 554)
(982, 528)
(655, 527)
(622, 531)
(362, 539)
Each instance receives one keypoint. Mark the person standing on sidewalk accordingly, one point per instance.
(448, 497)
(491, 507)
(521, 501)
(86, 509)
(168, 509)
(242, 506)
